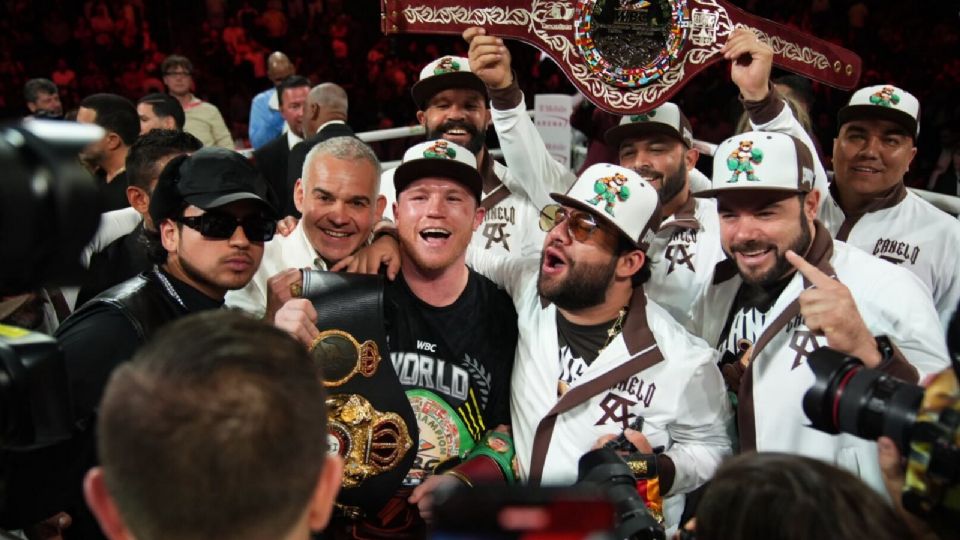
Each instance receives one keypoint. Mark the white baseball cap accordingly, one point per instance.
(667, 119)
(444, 73)
(761, 160)
(438, 158)
(618, 196)
(884, 101)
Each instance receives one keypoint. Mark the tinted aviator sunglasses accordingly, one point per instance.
(222, 226)
(580, 224)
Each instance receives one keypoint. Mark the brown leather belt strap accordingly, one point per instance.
(579, 394)
(565, 30)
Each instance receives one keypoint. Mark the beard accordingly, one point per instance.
(671, 185)
(477, 137)
(781, 266)
(584, 286)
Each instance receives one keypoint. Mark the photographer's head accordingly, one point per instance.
(213, 211)
(597, 238)
(216, 429)
(763, 183)
(774, 496)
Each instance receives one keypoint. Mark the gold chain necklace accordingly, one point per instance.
(614, 329)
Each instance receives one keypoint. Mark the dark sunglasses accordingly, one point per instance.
(222, 226)
(580, 224)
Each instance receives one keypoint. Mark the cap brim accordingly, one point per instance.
(209, 201)
(869, 112)
(707, 193)
(425, 89)
(617, 134)
(594, 211)
(438, 168)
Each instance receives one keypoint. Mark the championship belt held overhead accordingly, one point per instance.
(626, 56)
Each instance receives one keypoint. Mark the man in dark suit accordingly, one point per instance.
(325, 117)
(271, 158)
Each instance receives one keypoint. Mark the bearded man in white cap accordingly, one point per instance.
(867, 204)
(595, 355)
(787, 289)
(452, 105)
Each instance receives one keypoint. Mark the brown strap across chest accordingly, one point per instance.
(648, 354)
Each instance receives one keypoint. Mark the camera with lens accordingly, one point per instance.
(605, 469)
(49, 210)
(924, 423)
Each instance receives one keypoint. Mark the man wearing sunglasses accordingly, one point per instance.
(213, 212)
(596, 357)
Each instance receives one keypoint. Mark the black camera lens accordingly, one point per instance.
(604, 468)
(867, 403)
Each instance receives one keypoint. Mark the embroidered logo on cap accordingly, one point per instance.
(440, 149)
(645, 117)
(742, 160)
(885, 97)
(446, 65)
(610, 189)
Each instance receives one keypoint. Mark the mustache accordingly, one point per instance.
(649, 173)
(455, 124)
(752, 245)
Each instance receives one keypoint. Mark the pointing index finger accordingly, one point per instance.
(809, 271)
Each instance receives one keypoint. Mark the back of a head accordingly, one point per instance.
(166, 106)
(774, 496)
(331, 97)
(144, 156)
(115, 113)
(216, 428)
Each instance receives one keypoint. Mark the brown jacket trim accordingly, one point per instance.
(685, 217)
(898, 366)
(491, 183)
(666, 472)
(506, 98)
(648, 355)
(818, 255)
(766, 109)
(887, 199)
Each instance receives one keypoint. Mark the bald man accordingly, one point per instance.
(266, 122)
(324, 117)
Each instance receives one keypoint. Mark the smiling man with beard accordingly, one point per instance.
(452, 105)
(452, 335)
(213, 212)
(786, 289)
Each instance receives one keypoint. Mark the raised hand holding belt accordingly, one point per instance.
(370, 421)
(626, 56)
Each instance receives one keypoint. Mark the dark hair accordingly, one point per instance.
(156, 252)
(217, 424)
(143, 156)
(116, 114)
(165, 106)
(175, 61)
(642, 275)
(293, 81)
(775, 496)
(33, 87)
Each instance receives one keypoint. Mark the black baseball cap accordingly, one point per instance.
(209, 178)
